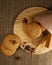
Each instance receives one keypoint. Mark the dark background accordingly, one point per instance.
(9, 9)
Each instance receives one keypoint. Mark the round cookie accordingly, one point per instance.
(11, 42)
(33, 30)
(6, 51)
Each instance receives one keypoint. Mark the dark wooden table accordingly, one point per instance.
(9, 9)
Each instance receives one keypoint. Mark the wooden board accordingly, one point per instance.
(9, 9)
(18, 30)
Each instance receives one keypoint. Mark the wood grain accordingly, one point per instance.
(9, 9)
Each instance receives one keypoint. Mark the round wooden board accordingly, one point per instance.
(18, 28)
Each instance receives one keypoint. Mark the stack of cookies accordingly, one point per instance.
(10, 44)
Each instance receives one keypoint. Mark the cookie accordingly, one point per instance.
(11, 42)
(33, 30)
(6, 51)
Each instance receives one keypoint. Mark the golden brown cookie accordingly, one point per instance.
(33, 30)
(11, 42)
(6, 51)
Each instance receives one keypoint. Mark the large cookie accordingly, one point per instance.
(33, 30)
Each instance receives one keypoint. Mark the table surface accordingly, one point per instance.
(9, 10)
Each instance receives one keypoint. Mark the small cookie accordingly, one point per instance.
(32, 30)
(6, 51)
(11, 42)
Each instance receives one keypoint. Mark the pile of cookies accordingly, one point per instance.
(10, 44)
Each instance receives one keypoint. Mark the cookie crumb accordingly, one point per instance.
(32, 50)
(24, 42)
(23, 45)
(27, 48)
(18, 58)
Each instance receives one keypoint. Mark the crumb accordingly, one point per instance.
(32, 50)
(18, 58)
(24, 42)
(27, 48)
(23, 45)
